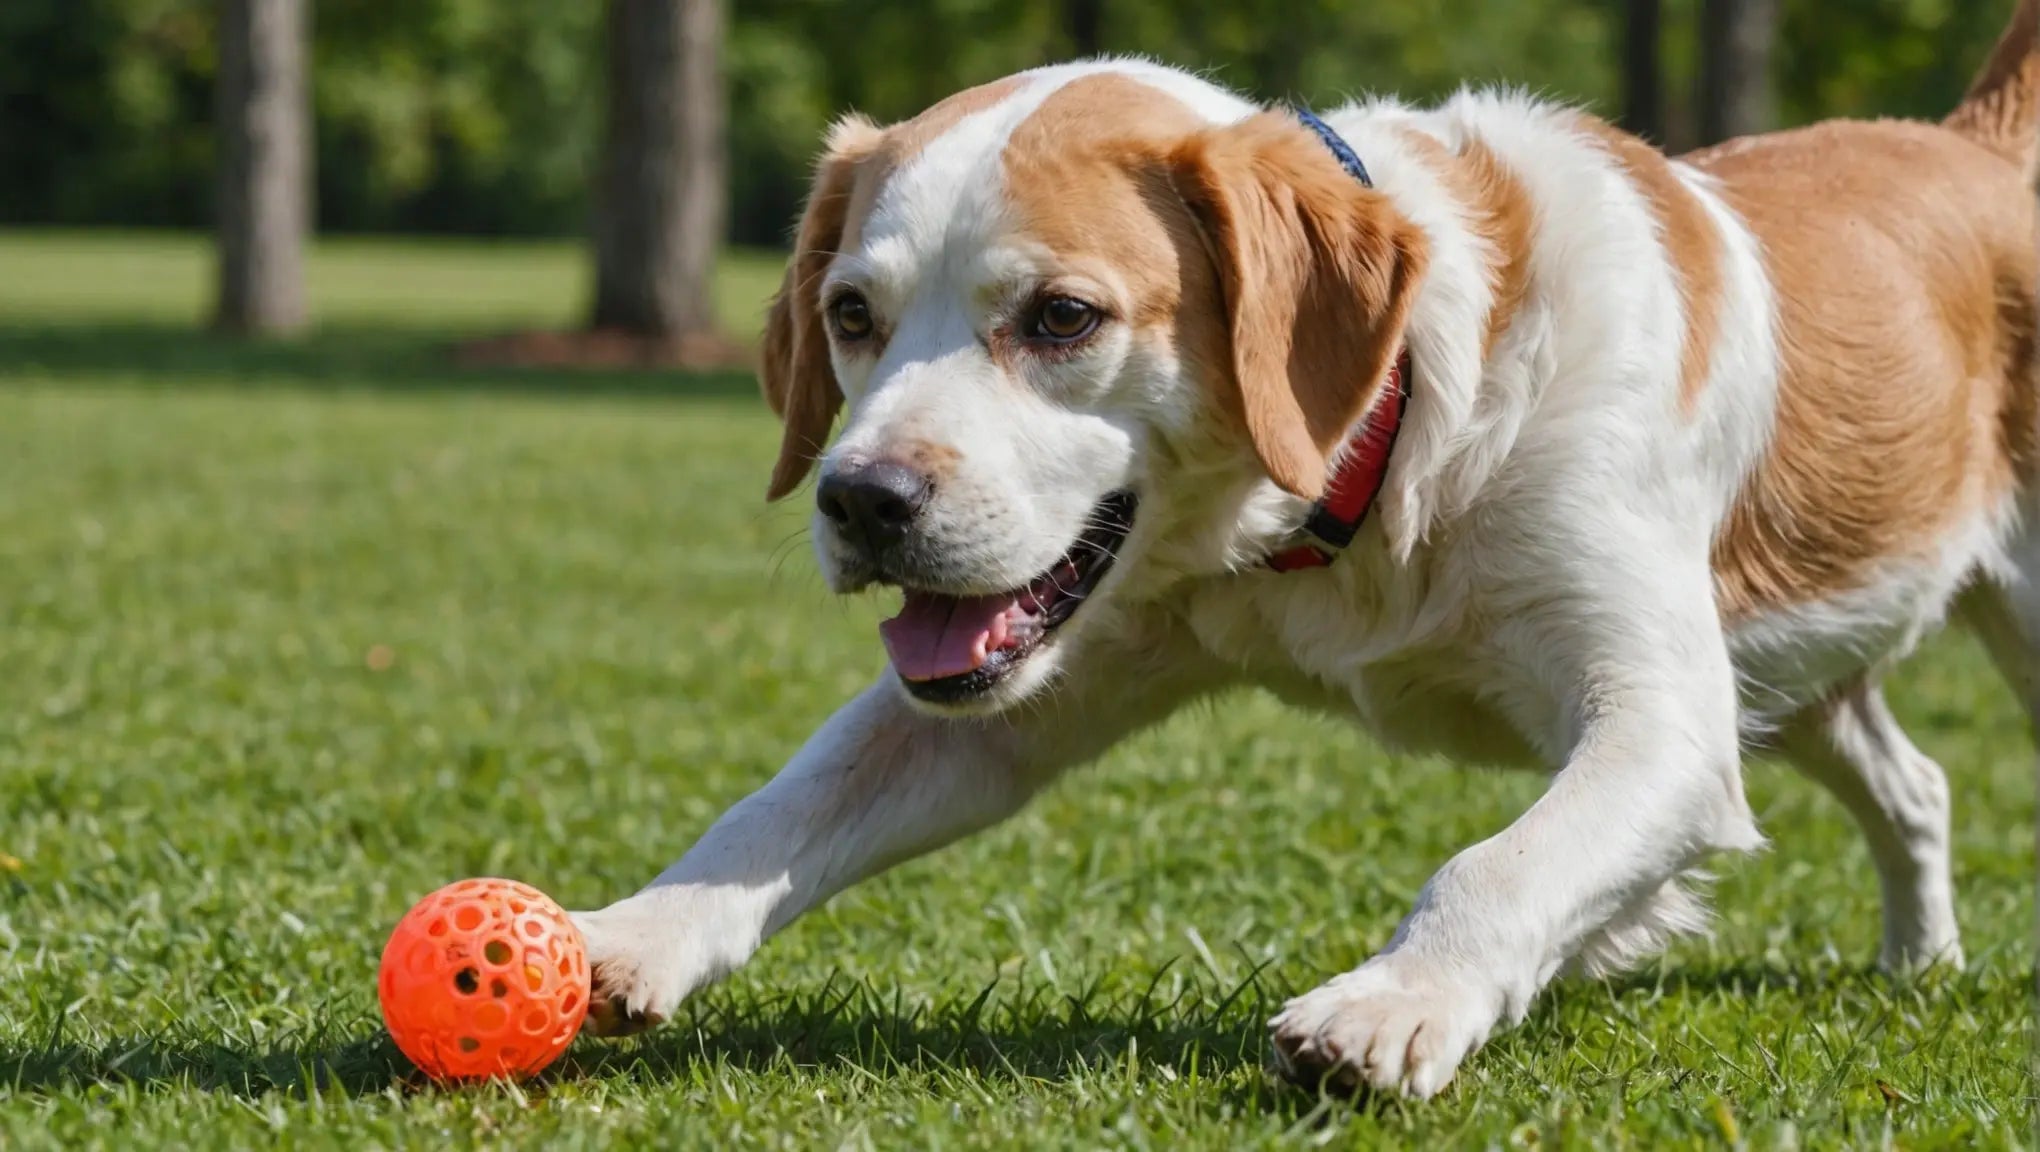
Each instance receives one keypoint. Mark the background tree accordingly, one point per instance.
(1736, 42)
(264, 199)
(660, 189)
(1643, 80)
(1084, 24)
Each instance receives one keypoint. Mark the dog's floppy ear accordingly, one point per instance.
(1318, 273)
(795, 374)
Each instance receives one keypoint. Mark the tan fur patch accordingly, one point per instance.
(1088, 179)
(1906, 402)
(1085, 179)
(1500, 213)
(795, 373)
(2003, 104)
(1691, 243)
(1319, 275)
(1247, 244)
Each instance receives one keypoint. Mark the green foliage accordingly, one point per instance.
(213, 805)
(105, 107)
(456, 115)
(1883, 57)
(481, 116)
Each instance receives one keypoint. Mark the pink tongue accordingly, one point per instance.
(935, 637)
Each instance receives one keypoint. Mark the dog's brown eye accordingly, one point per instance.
(1062, 319)
(850, 316)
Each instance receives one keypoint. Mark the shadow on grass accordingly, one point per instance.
(356, 1067)
(1748, 979)
(1043, 1038)
(341, 359)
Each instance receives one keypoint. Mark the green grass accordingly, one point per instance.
(407, 285)
(212, 808)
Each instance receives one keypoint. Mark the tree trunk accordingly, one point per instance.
(264, 140)
(1083, 22)
(1736, 38)
(1643, 74)
(660, 199)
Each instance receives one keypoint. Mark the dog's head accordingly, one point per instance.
(1063, 311)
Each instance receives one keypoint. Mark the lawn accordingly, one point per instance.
(295, 633)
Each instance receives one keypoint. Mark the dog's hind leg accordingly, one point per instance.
(2003, 610)
(1853, 746)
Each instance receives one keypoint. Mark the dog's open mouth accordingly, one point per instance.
(952, 648)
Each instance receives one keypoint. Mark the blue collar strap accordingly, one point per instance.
(1348, 159)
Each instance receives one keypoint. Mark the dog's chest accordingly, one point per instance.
(1435, 692)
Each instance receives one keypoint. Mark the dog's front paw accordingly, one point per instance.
(640, 964)
(1395, 1024)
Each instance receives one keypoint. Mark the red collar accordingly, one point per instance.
(1354, 484)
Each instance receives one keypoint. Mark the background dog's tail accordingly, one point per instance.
(2002, 110)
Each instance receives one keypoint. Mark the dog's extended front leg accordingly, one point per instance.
(1651, 784)
(878, 784)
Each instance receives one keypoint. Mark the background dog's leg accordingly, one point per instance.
(1651, 785)
(1853, 746)
(880, 783)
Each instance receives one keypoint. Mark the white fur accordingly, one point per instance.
(1534, 588)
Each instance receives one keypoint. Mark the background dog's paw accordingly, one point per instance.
(1395, 1024)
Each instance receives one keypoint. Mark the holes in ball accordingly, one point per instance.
(467, 918)
(497, 952)
(437, 927)
(534, 977)
(498, 989)
(518, 907)
(470, 1044)
(533, 928)
(570, 1003)
(535, 1021)
(466, 981)
(567, 967)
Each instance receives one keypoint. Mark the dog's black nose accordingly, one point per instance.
(873, 503)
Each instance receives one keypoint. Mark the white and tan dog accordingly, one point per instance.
(1693, 451)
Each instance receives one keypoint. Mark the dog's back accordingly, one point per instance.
(1902, 261)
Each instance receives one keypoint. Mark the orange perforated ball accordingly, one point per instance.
(484, 978)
